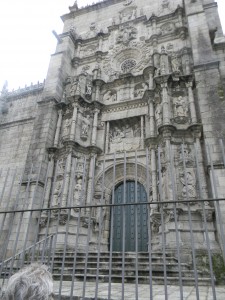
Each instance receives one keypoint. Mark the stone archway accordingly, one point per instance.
(133, 173)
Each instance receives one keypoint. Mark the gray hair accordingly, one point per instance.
(33, 282)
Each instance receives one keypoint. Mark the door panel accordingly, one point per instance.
(124, 219)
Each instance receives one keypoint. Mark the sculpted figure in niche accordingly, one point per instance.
(158, 114)
(85, 127)
(175, 64)
(110, 96)
(67, 127)
(180, 107)
(127, 15)
(73, 87)
(77, 192)
(189, 185)
(140, 90)
(88, 92)
(136, 130)
(57, 194)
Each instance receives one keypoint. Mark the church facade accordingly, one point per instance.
(133, 94)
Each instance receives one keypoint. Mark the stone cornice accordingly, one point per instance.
(89, 8)
(24, 92)
(16, 122)
(124, 106)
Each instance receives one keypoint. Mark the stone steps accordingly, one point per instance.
(86, 266)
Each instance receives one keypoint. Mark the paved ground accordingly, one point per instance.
(189, 293)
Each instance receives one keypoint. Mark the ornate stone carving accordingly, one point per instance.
(89, 50)
(77, 199)
(128, 14)
(158, 114)
(175, 64)
(126, 34)
(110, 96)
(180, 110)
(125, 137)
(73, 87)
(57, 194)
(66, 127)
(85, 125)
(88, 91)
(185, 156)
(128, 65)
(167, 28)
(140, 89)
(133, 58)
(188, 181)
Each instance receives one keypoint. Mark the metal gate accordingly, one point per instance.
(125, 228)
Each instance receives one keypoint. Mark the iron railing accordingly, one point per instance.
(86, 246)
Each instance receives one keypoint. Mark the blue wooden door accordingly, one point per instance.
(125, 224)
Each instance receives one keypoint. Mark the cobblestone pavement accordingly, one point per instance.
(189, 292)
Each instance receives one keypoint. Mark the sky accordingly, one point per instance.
(26, 39)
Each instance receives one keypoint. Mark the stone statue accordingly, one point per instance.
(180, 107)
(88, 92)
(77, 192)
(110, 96)
(175, 64)
(85, 126)
(73, 87)
(57, 194)
(158, 114)
(140, 90)
(189, 185)
(136, 130)
(67, 127)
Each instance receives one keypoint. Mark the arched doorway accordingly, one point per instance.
(128, 226)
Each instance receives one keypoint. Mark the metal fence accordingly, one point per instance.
(158, 239)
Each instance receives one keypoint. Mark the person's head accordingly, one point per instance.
(33, 282)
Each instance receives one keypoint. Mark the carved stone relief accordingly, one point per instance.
(66, 127)
(131, 58)
(140, 89)
(57, 194)
(89, 50)
(188, 184)
(110, 96)
(85, 127)
(158, 114)
(77, 195)
(167, 28)
(125, 136)
(126, 34)
(180, 110)
(73, 86)
(128, 14)
(175, 64)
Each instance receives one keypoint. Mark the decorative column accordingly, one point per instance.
(49, 180)
(142, 132)
(107, 138)
(154, 176)
(58, 128)
(66, 180)
(74, 121)
(197, 135)
(94, 129)
(97, 92)
(191, 102)
(90, 185)
(165, 104)
(152, 118)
